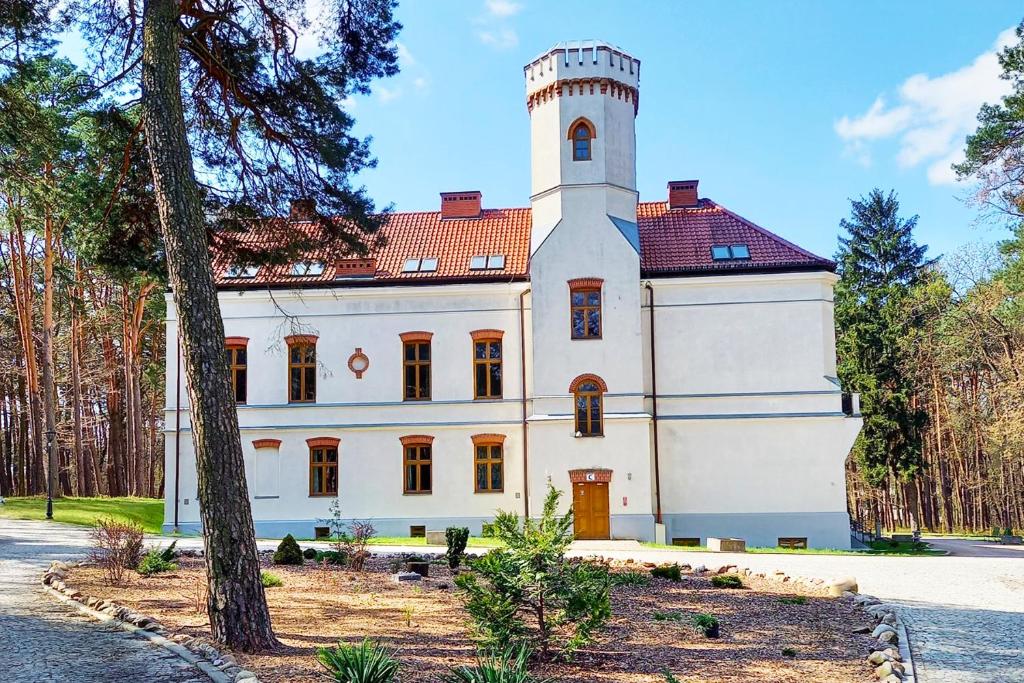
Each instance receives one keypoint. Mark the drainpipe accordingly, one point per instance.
(177, 436)
(522, 384)
(654, 410)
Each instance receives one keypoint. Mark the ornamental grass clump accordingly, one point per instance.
(270, 580)
(154, 563)
(672, 572)
(508, 666)
(288, 551)
(368, 662)
(726, 581)
(630, 578)
(528, 595)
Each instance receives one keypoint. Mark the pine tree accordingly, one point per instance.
(878, 263)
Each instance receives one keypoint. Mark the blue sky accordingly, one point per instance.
(782, 109)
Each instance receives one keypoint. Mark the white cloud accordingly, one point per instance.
(932, 116)
(503, 8)
(501, 38)
(388, 94)
(405, 58)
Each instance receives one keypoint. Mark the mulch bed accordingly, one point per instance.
(426, 624)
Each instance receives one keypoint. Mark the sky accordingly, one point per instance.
(783, 110)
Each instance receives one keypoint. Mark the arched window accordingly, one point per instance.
(588, 392)
(581, 132)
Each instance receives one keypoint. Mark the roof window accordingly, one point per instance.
(237, 271)
(487, 262)
(420, 265)
(730, 252)
(307, 268)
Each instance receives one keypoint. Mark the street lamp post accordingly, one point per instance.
(50, 434)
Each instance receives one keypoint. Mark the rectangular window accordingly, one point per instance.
(418, 531)
(489, 465)
(237, 359)
(793, 542)
(688, 542)
(487, 368)
(417, 469)
(586, 313)
(302, 373)
(416, 369)
(323, 471)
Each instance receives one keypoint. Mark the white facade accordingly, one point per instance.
(751, 437)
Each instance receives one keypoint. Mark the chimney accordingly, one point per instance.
(460, 204)
(302, 210)
(682, 194)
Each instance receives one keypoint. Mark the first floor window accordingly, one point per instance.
(417, 464)
(588, 391)
(323, 470)
(416, 366)
(585, 308)
(237, 358)
(489, 464)
(302, 369)
(487, 368)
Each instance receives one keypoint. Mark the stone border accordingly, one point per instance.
(219, 668)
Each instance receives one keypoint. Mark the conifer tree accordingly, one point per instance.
(878, 263)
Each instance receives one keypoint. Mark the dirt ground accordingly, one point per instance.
(425, 623)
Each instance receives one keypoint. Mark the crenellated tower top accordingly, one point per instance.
(579, 67)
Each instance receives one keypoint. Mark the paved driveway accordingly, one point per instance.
(42, 640)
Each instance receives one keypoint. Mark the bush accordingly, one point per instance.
(788, 652)
(530, 581)
(169, 554)
(705, 624)
(667, 571)
(457, 538)
(487, 530)
(630, 578)
(309, 553)
(349, 539)
(331, 557)
(116, 546)
(154, 563)
(669, 678)
(270, 580)
(726, 581)
(288, 551)
(364, 663)
(509, 666)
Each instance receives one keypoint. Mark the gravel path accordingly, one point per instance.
(42, 640)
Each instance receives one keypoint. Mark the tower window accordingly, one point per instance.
(585, 308)
(581, 133)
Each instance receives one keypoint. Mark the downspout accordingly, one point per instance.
(522, 384)
(654, 410)
(177, 435)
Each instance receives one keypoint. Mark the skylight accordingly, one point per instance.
(487, 262)
(730, 252)
(420, 265)
(241, 271)
(307, 268)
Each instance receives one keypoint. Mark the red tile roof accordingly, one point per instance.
(671, 241)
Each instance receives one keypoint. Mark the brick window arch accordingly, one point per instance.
(417, 463)
(581, 134)
(489, 463)
(588, 392)
(585, 307)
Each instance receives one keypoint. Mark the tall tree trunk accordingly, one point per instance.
(49, 382)
(237, 604)
(82, 487)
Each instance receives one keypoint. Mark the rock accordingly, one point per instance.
(885, 669)
(892, 678)
(889, 619)
(846, 583)
(407, 576)
(862, 629)
(888, 637)
(699, 569)
(893, 653)
(244, 675)
(878, 657)
(848, 595)
(882, 628)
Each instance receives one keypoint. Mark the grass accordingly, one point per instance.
(796, 600)
(149, 512)
(878, 548)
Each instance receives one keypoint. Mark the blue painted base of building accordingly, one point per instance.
(763, 529)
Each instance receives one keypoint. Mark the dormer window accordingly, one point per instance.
(419, 265)
(730, 252)
(487, 262)
(237, 271)
(581, 133)
(307, 268)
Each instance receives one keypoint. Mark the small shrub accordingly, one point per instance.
(116, 546)
(667, 571)
(788, 652)
(331, 557)
(630, 578)
(288, 552)
(309, 553)
(669, 678)
(154, 563)
(795, 600)
(368, 662)
(270, 580)
(487, 530)
(169, 554)
(457, 538)
(667, 616)
(726, 581)
(509, 666)
(705, 624)
(1008, 531)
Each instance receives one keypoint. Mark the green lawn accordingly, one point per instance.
(149, 512)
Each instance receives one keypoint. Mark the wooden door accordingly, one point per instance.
(590, 508)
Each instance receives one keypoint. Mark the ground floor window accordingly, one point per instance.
(417, 464)
(489, 463)
(323, 467)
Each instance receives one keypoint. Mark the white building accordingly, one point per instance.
(668, 364)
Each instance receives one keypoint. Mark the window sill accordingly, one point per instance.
(416, 400)
(597, 338)
(301, 402)
(416, 493)
(490, 491)
(324, 495)
(488, 399)
(265, 497)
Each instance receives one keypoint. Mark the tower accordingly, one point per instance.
(582, 88)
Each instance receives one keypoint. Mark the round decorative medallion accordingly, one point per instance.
(358, 362)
